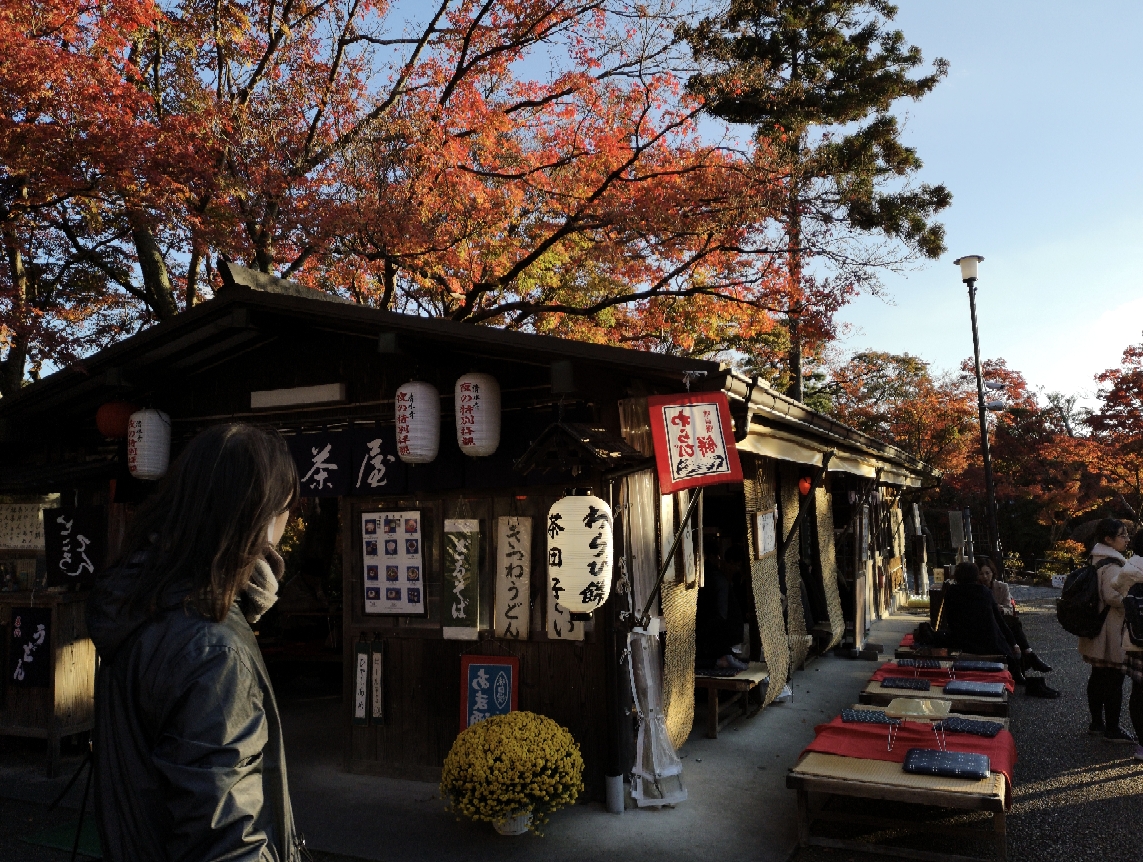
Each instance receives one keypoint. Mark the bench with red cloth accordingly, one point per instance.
(939, 676)
(870, 741)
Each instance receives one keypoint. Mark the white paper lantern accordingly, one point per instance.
(418, 409)
(579, 553)
(149, 444)
(477, 400)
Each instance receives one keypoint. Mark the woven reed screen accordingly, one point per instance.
(760, 497)
(795, 613)
(823, 504)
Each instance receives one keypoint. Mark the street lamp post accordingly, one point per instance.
(968, 273)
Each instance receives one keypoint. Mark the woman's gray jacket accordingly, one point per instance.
(189, 761)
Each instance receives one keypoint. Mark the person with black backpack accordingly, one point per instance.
(1104, 651)
(1129, 584)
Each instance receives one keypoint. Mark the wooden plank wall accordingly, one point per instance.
(563, 680)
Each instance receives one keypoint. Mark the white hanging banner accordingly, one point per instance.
(513, 577)
(392, 554)
(461, 605)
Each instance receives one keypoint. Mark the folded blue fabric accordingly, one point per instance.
(948, 764)
(985, 689)
(988, 666)
(969, 725)
(905, 682)
(867, 716)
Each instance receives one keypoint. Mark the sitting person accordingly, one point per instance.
(975, 625)
(991, 579)
(718, 621)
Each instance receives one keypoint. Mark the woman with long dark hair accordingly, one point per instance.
(1104, 652)
(189, 762)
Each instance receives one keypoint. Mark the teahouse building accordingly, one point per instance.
(443, 560)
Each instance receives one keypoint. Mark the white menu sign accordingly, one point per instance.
(21, 527)
(392, 554)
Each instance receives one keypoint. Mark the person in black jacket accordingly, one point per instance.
(188, 754)
(976, 625)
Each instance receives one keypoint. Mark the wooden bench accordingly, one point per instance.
(966, 704)
(943, 654)
(828, 776)
(740, 685)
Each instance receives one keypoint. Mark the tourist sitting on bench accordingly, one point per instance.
(975, 625)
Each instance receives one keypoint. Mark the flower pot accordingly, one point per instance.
(516, 825)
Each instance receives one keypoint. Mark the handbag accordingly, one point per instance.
(947, 764)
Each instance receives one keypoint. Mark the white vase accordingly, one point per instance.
(517, 825)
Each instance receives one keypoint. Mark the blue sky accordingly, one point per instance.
(1037, 133)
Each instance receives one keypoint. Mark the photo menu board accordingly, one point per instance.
(392, 555)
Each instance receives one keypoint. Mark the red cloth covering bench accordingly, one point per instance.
(939, 676)
(907, 640)
(870, 741)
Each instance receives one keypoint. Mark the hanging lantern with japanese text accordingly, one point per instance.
(579, 553)
(149, 444)
(477, 400)
(418, 413)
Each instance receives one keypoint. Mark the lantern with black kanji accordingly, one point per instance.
(477, 400)
(112, 418)
(418, 413)
(579, 531)
(149, 444)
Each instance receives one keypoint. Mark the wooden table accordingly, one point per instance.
(970, 704)
(740, 685)
(829, 775)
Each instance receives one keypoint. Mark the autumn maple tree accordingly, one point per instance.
(403, 158)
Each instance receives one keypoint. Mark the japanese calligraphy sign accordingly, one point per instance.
(392, 554)
(560, 625)
(460, 602)
(21, 527)
(75, 541)
(323, 463)
(579, 533)
(765, 533)
(513, 577)
(30, 648)
(694, 445)
(361, 683)
(488, 686)
(376, 469)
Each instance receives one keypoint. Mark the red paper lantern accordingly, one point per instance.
(804, 485)
(112, 418)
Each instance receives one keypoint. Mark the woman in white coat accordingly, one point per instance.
(1104, 652)
(1131, 575)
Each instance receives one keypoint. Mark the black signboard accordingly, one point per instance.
(376, 467)
(325, 467)
(30, 648)
(75, 542)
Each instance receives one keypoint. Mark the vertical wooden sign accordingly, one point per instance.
(361, 684)
(513, 577)
(461, 604)
(377, 682)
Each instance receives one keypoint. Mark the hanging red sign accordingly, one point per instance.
(694, 443)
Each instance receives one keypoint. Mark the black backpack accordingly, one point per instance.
(1077, 608)
(1133, 614)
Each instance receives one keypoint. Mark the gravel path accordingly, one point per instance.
(1077, 798)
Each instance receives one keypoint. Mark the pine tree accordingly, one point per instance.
(818, 80)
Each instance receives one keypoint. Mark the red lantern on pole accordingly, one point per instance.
(804, 485)
(112, 418)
